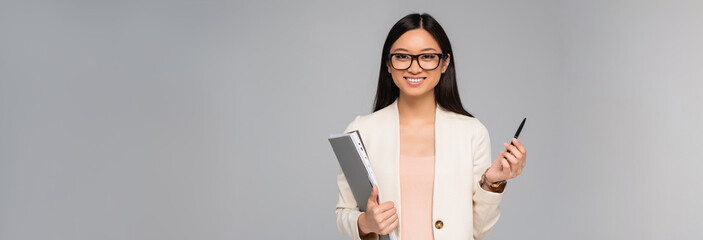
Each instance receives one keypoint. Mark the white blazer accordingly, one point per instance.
(462, 154)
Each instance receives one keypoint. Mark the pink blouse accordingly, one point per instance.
(416, 185)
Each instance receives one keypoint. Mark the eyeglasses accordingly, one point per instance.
(427, 61)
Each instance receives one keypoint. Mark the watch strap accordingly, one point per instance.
(498, 187)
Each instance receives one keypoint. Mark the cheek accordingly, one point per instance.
(397, 77)
(436, 76)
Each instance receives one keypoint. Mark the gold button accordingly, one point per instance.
(439, 224)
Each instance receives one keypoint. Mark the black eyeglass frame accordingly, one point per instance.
(416, 57)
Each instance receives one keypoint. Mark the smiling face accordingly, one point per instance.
(416, 81)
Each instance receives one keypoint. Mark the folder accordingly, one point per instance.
(352, 158)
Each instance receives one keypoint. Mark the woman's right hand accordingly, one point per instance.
(381, 219)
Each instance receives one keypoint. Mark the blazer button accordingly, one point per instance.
(438, 224)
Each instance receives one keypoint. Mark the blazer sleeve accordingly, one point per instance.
(485, 203)
(347, 210)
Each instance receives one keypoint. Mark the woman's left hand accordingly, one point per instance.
(508, 164)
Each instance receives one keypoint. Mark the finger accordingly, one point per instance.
(386, 206)
(391, 227)
(385, 209)
(513, 149)
(373, 198)
(499, 162)
(505, 164)
(519, 146)
(387, 220)
(514, 164)
(387, 214)
(513, 161)
(388, 225)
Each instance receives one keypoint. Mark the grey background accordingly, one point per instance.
(208, 120)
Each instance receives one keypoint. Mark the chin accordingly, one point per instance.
(416, 92)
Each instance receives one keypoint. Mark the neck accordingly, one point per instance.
(417, 110)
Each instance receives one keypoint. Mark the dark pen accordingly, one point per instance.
(517, 133)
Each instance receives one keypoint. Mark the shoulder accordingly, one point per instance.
(466, 124)
(377, 118)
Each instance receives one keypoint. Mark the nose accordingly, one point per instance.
(415, 68)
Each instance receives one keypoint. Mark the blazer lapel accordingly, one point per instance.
(394, 168)
(441, 164)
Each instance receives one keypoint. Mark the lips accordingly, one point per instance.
(415, 81)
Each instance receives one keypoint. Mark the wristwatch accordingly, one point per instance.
(494, 187)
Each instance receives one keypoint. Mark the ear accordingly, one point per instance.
(445, 63)
(388, 67)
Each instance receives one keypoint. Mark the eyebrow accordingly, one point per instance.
(403, 49)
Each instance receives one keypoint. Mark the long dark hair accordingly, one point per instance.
(446, 92)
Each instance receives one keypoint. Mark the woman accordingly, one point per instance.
(430, 156)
